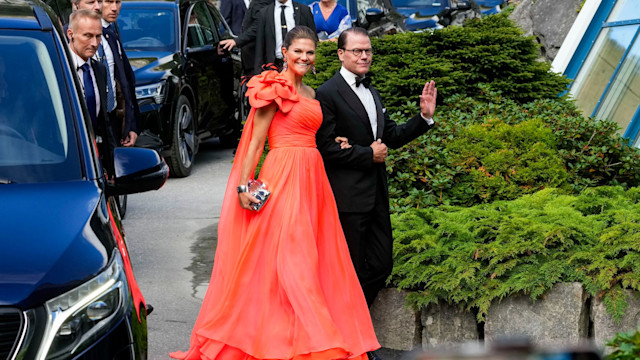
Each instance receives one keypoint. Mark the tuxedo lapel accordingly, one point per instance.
(353, 101)
(379, 113)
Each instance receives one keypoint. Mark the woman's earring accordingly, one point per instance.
(313, 69)
(284, 65)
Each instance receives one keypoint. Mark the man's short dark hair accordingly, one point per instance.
(342, 39)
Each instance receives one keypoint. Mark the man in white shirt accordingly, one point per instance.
(123, 106)
(84, 33)
(353, 109)
(275, 21)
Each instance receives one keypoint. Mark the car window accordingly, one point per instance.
(147, 29)
(37, 135)
(201, 30)
(223, 30)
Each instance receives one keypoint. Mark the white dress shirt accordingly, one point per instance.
(78, 61)
(291, 23)
(365, 96)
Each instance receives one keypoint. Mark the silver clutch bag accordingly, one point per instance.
(259, 190)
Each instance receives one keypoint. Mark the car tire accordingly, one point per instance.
(184, 142)
(121, 201)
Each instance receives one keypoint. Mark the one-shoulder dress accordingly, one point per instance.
(283, 285)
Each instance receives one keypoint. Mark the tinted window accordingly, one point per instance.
(223, 31)
(200, 30)
(37, 134)
(147, 29)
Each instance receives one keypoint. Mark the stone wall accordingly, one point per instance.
(564, 316)
(548, 20)
(561, 316)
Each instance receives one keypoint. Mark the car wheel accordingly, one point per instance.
(184, 141)
(121, 201)
(239, 116)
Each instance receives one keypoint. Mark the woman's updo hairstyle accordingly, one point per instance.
(299, 32)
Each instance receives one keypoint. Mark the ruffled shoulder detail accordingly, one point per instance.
(270, 86)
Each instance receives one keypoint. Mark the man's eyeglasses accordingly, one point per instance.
(358, 52)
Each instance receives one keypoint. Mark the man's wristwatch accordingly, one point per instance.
(242, 188)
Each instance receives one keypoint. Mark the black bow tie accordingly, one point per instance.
(366, 81)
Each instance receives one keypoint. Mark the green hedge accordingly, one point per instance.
(444, 166)
(473, 256)
(487, 74)
(488, 53)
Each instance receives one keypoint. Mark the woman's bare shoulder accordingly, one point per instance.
(307, 91)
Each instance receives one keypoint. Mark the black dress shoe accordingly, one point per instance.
(373, 356)
(149, 309)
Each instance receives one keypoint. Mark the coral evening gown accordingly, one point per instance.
(283, 285)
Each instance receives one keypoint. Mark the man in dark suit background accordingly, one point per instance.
(353, 109)
(84, 33)
(274, 22)
(123, 109)
(233, 12)
(246, 40)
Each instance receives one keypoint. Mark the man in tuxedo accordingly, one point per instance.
(84, 33)
(233, 12)
(353, 109)
(123, 105)
(273, 24)
(246, 40)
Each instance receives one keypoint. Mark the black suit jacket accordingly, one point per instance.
(127, 82)
(354, 176)
(266, 36)
(233, 12)
(246, 41)
(103, 127)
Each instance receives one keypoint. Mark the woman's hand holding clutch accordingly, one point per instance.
(246, 199)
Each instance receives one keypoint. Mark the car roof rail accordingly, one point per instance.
(43, 18)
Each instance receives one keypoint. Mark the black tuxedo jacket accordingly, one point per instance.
(266, 32)
(233, 12)
(353, 175)
(127, 83)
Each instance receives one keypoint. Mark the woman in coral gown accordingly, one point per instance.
(283, 285)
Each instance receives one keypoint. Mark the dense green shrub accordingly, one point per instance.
(486, 72)
(475, 255)
(625, 346)
(426, 172)
(488, 53)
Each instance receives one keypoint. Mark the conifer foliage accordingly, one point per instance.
(473, 256)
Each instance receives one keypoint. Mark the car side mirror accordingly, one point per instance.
(137, 170)
(374, 15)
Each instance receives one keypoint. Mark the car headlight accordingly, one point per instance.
(155, 91)
(78, 317)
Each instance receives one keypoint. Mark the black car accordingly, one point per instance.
(187, 88)
(67, 289)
